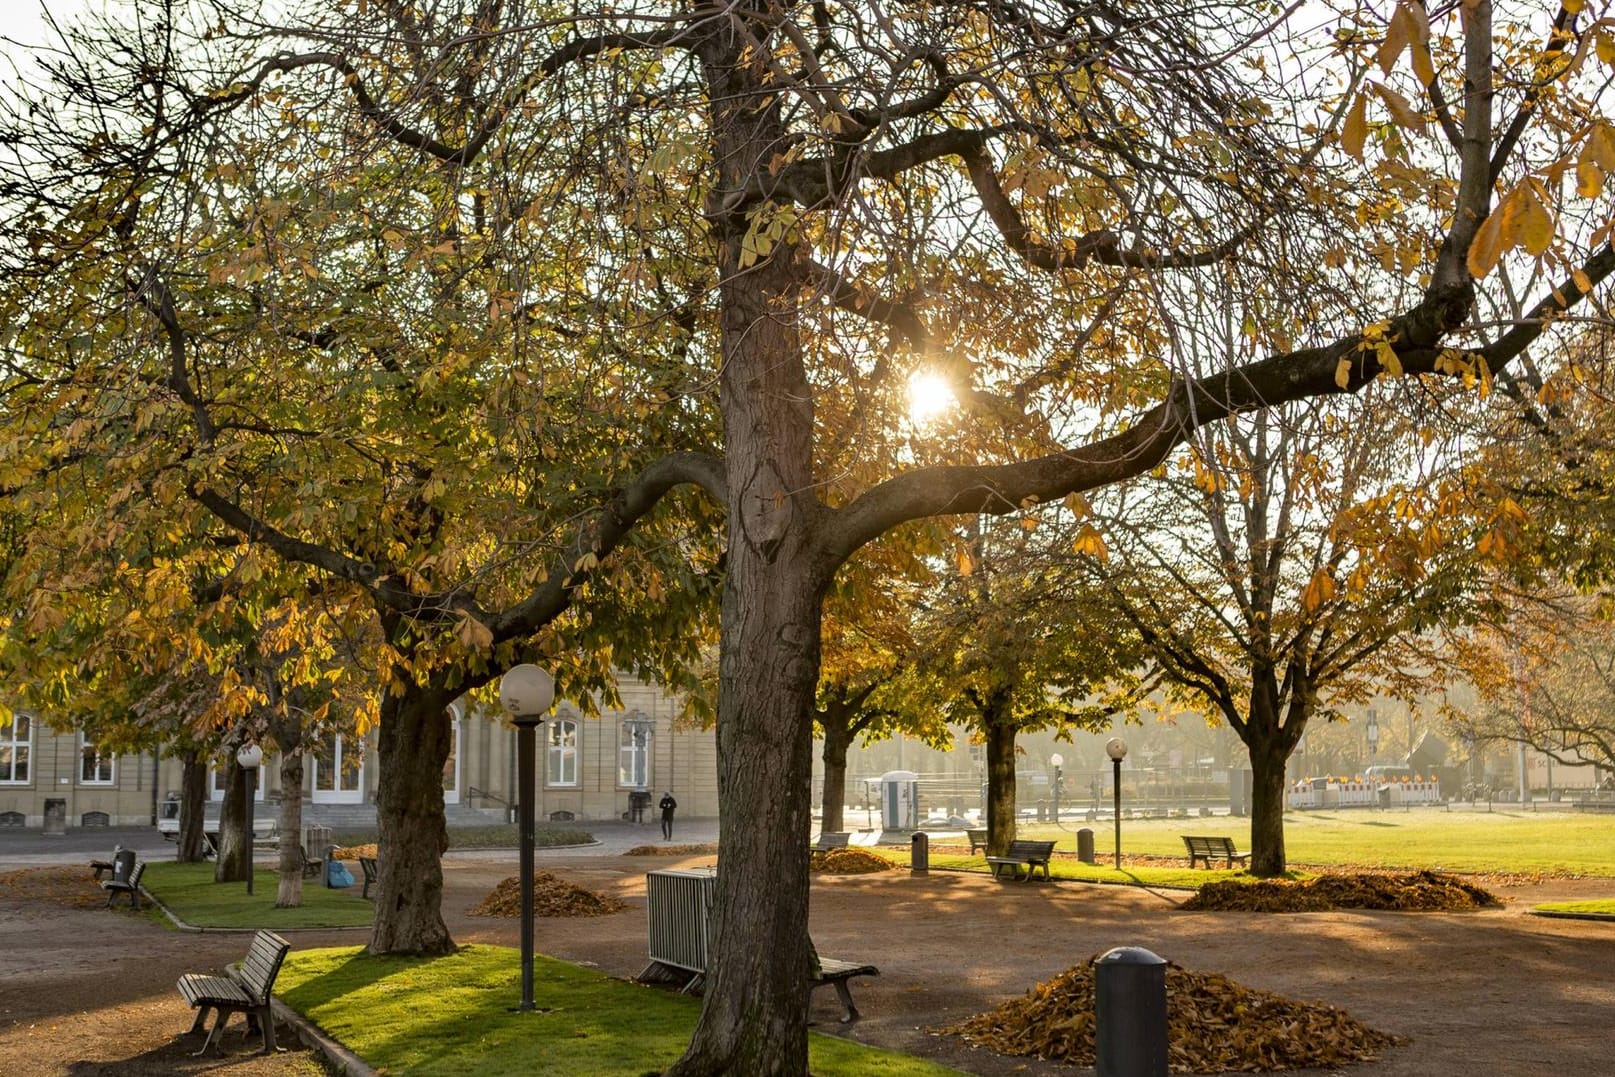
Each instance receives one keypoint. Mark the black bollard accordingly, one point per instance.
(1130, 1014)
(1085, 845)
(919, 853)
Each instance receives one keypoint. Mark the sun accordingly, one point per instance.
(929, 396)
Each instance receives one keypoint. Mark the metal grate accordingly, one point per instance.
(677, 904)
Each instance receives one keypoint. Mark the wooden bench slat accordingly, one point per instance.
(243, 989)
(1028, 854)
(1204, 847)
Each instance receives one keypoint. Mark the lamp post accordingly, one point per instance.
(249, 757)
(1373, 734)
(1116, 748)
(1056, 761)
(526, 692)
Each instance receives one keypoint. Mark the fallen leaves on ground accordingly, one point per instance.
(353, 852)
(1420, 891)
(552, 896)
(673, 850)
(1213, 1025)
(849, 862)
(71, 886)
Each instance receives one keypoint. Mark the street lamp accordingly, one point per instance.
(250, 757)
(1056, 761)
(1373, 733)
(1116, 748)
(526, 692)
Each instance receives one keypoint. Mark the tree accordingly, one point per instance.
(872, 681)
(996, 192)
(1012, 657)
(1288, 564)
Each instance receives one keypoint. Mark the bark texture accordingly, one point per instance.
(192, 808)
(837, 738)
(235, 844)
(289, 893)
(1000, 737)
(411, 834)
(754, 1018)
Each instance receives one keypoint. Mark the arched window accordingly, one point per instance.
(562, 763)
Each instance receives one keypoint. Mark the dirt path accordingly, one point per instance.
(1492, 994)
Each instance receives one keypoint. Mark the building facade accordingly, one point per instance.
(587, 767)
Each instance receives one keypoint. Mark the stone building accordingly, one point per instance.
(587, 767)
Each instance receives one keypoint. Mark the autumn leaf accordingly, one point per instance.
(1487, 246)
(1355, 132)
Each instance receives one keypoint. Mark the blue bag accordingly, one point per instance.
(337, 875)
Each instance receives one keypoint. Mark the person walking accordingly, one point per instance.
(668, 806)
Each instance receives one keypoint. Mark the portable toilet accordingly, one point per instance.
(900, 800)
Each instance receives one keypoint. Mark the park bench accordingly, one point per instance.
(978, 839)
(125, 879)
(834, 973)
(105, 867)
(367, 864)
(831, 840)
(311, 868)
(244, 988)
(1204, 848)
(1027, 854)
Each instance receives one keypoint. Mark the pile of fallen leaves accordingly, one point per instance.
(1421, 891)
(1213, 1025)
(849, 862)
(673, 850)
(354, 852)
(74, 886)
(551, 897)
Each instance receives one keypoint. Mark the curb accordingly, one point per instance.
(340, 1059)
(1555, 914)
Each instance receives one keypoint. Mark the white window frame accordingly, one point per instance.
(561, 754)
(23, 748)
(111, 761)
(633, 759)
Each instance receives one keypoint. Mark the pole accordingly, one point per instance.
(1116, 780)
(525, 779)
(252, 794)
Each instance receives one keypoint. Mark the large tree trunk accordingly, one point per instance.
(754, 1016)
(411, 833)
(1267, 811)
(192, 807)
(289, 894)
(235, 844)
(1270, 744)
(1000, 737)
(837, 739)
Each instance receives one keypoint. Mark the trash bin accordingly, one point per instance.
(1042, 811)
(1130, 1037)
(1085, 845)
(56, 815)
(919, 853)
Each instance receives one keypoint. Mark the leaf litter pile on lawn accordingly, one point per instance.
(551, 897)
(1213, 1025)
(849, 862)
(72, 887)
(703, 849)
(1421, 891)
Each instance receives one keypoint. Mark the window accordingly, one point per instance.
(94, 768)
(563, 753)
(16, 735)
(633, 766)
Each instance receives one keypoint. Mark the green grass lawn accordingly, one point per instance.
(1603, 907)
(190, 892)
(452, 1016)
(1422, 838)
